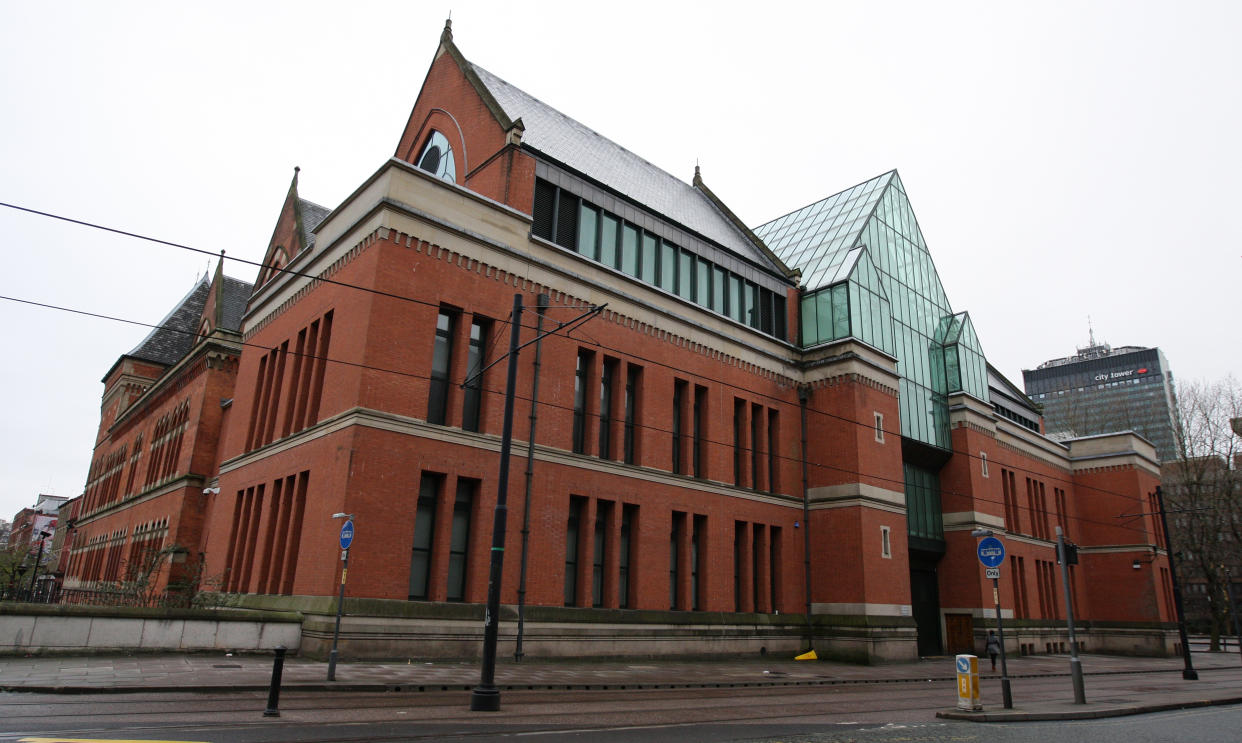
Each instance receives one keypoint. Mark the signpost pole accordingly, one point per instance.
(1006, 693)
(347, 538)
(992, 555)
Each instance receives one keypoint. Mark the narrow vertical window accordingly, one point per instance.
(700, 431)
(739, 445)
(680, 388)
(567, 220)
(983, 463)
(588, 232)
(650, 259)
(580, 400)
(668, 267)
(685, 276)
(886, 544)
(424, 528)
(879, 427)
(756, 455)
(608, 240)
(629, 249)
(674, 559)
(599, 550)
(572, 541)
(607, 381)
(441, 357)
(703, 283)
(774, 469)
(473, 397)
(698, 562)
(459, 539)
(739, 531)
(633, 376)
(628, 517)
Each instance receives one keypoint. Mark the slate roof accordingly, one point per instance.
(312, 216)
(569, 142)
(176, 333)
(236, 294)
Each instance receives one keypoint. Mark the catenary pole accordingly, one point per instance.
(804, 393)
(540, 308)
(1080, 694)
(486, 697)
(1188, 672)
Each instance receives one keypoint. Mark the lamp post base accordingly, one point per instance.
(485, 699)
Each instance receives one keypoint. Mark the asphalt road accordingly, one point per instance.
(789, 715)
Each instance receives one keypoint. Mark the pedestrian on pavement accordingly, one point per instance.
(992, 648)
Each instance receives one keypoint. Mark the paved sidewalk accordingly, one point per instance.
(1115, 685)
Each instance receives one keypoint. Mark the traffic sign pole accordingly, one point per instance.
(347, 539)
(1006, 694)
(992, 555)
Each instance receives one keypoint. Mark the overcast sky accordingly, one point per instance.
(1065, 160)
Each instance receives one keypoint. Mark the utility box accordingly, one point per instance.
(968, 683)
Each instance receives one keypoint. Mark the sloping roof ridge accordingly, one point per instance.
(571, 120)
(887, 173)
(202, 283)
(718, 204)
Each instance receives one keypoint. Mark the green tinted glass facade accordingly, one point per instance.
(869, 276)
(923, 515)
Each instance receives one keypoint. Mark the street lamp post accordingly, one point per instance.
(34, 573)
(1080, 694)
(347, 537)
(1188, 672)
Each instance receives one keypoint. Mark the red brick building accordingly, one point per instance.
(141, 516)
(736, 430)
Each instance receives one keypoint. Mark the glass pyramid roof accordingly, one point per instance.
(818, 239)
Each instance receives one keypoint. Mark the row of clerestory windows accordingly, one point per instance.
(604, 237)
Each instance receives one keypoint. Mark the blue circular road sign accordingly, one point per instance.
(347, 534)
(991, 552)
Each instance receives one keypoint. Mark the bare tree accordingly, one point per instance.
(1203, 489)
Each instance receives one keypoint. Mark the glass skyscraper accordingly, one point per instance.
(1102, 390)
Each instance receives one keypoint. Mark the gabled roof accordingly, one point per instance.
(819, 238)
(570, 143)
(294, 232)
(177, 333)
(174, 335)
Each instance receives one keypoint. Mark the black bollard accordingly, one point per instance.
(273, 693)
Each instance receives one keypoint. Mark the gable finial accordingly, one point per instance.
(447, 34)
(698, 178)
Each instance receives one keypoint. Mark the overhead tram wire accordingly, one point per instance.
(223, 255)
(495, 392)
(780, 401)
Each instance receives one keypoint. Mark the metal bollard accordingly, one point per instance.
(273, 693)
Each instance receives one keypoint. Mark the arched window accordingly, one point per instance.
(437, 158)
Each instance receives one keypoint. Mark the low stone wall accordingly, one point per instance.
(41, 629)
(379, 629)
(1031, 638)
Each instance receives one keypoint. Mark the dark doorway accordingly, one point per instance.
(925, 596)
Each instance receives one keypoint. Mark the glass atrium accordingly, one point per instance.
(868, 275)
